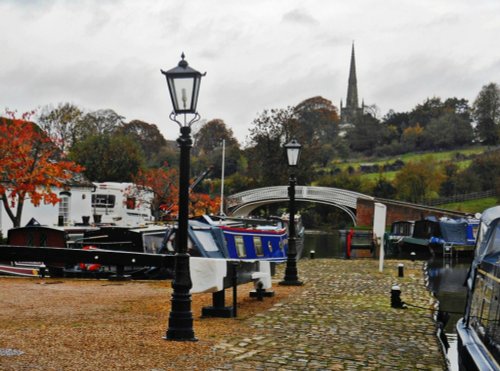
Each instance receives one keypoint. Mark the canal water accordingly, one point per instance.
(446, 279)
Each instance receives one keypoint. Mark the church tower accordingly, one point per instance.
(351, 109)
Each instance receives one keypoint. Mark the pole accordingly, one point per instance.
(222, 178)
(291, 276)
(180, 322)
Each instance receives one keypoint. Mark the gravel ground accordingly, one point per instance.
(69, 324)
(340, 319)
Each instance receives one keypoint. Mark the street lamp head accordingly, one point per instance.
(293, 152)
(183, 86)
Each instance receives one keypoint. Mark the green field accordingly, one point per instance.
(414, 156)
(472, 206)
(441, 156)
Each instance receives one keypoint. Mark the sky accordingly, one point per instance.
(258, 54)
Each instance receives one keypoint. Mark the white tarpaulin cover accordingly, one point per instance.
(207, 274)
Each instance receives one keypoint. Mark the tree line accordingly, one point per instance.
(108, 148)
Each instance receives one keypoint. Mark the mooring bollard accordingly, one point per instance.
(401, 270)
(42, 270)
(311, 254)
(396, 297)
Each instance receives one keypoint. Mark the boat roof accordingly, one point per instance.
(486, 245)
(490, 214)
(454, 230)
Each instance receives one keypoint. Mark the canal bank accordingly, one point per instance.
(342, 319)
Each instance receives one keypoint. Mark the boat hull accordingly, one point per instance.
(419, 246)
(472, 353)
(16, 270)
(452, 249)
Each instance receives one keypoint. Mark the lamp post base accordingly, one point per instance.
(291, 274)
(180, 323)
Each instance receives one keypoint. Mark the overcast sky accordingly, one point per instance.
(258, 54)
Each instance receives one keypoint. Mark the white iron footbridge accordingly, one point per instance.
(241, 204)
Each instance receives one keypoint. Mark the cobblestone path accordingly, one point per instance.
(342, 320)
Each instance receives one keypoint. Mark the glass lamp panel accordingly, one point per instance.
(181, 90)
(293, 156)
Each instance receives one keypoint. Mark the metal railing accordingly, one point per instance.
(459, 198)
(328, 195)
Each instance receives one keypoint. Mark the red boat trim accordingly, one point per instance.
(19, 271)
(258, 231)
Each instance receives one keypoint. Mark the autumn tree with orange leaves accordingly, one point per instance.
(164, 184)
(31, 166)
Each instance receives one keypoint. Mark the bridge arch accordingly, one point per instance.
(241, 204)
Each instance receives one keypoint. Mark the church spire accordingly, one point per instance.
(352, 87)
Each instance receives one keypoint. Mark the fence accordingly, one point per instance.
(460, 198)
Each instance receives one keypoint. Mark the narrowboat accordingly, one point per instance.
(418, 242)
(144, 239)
(205, 240)
(445, 236)
(248, 238)
(479, 329)
(457, 237)
(399, 229)
(34, 234)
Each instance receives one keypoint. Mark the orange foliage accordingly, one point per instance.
(164, 183)
(202, 203)
(29, 167)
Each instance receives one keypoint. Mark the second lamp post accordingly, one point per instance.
(291, 277)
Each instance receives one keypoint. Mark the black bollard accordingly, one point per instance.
(42, 270)
(260, 291)
(311, 254)
(396, 298)
(401, 270)
(413, 256)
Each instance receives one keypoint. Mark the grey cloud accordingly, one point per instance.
(300, 16)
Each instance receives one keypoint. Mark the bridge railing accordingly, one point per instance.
(334, 195)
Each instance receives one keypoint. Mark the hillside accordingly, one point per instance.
(372, 168)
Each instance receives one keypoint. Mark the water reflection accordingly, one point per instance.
(446, 281)
(324, 244)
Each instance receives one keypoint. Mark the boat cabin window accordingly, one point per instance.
(192, 251)
(130, 203)
(485, 310)
(206, 239)
(152, 242)
(169, 242)
(103, 201)
(402, 229)
(64, 207)
(257, 244)
(240, 246)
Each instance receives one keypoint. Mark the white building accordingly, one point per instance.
(121, 204)
(107, 203)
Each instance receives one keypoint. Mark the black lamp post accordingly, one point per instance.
(291, 278)
(184, 86)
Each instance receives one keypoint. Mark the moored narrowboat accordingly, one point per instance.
(418, 242)
(457, 237)
(399, 229)
(35, 234)
(479, 330)
(248, 238)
